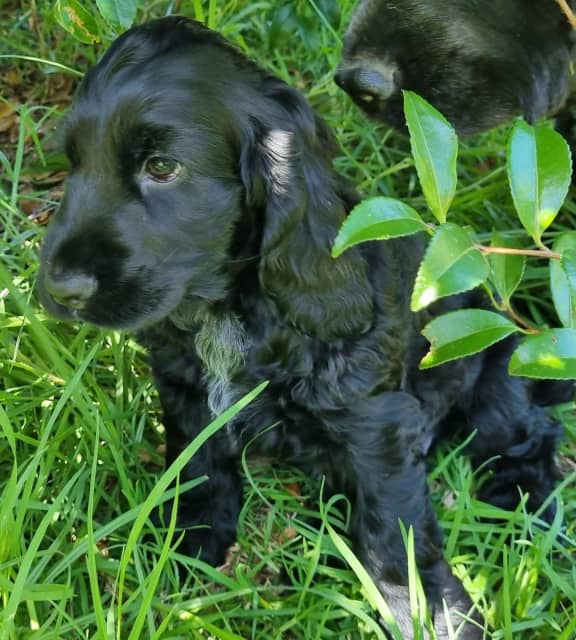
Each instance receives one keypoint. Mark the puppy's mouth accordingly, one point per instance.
(90, 312)
(131, 306)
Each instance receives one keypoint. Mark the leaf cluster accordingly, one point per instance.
(539, 171)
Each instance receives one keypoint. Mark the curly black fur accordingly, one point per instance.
(479, 63)
(225, 273)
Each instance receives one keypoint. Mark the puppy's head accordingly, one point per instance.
(479, 63)
(187, 162)
(152, 192)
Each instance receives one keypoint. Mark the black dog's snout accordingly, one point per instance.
(366, 84)
(71, 290)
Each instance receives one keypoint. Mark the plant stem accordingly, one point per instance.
(535, 253)
(520, 321)
(568, 12)
(506, 307)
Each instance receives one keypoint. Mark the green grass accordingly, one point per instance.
(80, 437)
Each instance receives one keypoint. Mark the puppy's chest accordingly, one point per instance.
(221, 343)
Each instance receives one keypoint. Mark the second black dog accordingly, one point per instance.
(480, 63)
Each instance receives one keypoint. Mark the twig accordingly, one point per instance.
(533, 253)
(506, 307)
(519, 320)
(563, 4)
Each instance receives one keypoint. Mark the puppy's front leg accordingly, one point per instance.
(208, 512)
(383, 502)
(382, 471)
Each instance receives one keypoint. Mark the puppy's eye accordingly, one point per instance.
(162, 168)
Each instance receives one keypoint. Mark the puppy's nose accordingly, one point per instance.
(367, 84)
(71, 290)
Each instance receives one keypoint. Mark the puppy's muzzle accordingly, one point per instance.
(369, 86)
(70, 290)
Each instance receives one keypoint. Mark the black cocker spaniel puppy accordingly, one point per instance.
(480, 63)
(200, 212)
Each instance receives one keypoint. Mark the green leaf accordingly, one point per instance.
(563, 278)
(548, 355)
(47, 592)
(73, 17)
(434, 147)
(452, 264)
(118, 12)
(377, 219)
(507, 269)
(539, 173)
(462, 333)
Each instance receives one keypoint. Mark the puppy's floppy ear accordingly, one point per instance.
(286, 168)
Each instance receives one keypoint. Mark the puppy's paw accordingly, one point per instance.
(208, 543)
(453, 618)
(505, 487)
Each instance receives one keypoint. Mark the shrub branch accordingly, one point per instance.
(533, 253)
(563, 4)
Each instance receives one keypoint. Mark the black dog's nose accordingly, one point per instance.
(71, 290)
(366, 84)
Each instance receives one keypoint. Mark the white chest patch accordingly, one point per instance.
(221, 344)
